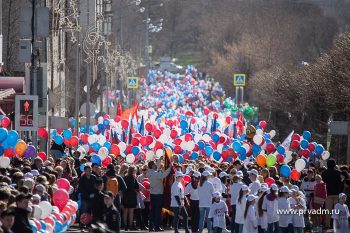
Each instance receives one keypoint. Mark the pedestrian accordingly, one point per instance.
(205, 193)
(98, 202)
(177, 202)
(261, 214)
(308, 186)
(218, 212)
(285, 218)
(318, 199)
(254, 186)
(129, 199)
(240, 208)
(270, 206)
(192, 190)
(250, 218)
(234, 193)
(21, 224)
(341, 215)
(298, 204)
(7, 221)
(111, 214)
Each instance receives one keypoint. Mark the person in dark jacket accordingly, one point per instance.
(22, 224)
(129, 200)
(239, 166)
(333, 182)
(98, 202)
(111, 214)
(7, 221)
(110, 172)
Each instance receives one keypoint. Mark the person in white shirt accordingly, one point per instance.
(192, 190)
(223, 178)
(217, 213)
(177, 202)
(308, 185)
(341, 216)
(240, 207)
(298, 204)
(234, 192)
(205, 194)
(270, 206)
(261, 214)
(214, 180)
(255, 185)
(285, 221)
(250, 219)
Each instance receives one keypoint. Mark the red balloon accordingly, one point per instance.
(74, 141)
(206, 111)
(296, 137)
(280, 158)
(125, 124)
(115, 150)
(295, 174)
(224, 155)
(177, 149)
(311, 147)
(295, 144)
(117, 119)
(60, 198)
(193, 121)
(146, 184)
(42, 133)
(158, 146)
(149, 139)
(128, 149)
(37, 224)
(305, 153)
(263, 124)
(270, 148)
(187, 179)
(58, 216)
(49, 220)
(215, 116)
(42, 155)
(173, 134)
(84, 138)
(106, 116)
(5, 122)
(106, 161)
(156, 133)
(149, 127)
(66, 142)
(177, 141)
(135, 141)
(188, 137)
(9, 153)
(143, 141)
(228, 119)
(59, 131)
(269, 181)
(63, 183)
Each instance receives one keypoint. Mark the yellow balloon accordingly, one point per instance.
(20, 148)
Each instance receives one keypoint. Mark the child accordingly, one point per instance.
(285, 222)
(262, 217)
(240, 207)
(234, 192)
(297, 202)
(250, 220)
(270, 206)
(218, 212)
(317, 201)
(341, 215)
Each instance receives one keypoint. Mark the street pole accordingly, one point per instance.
(33, 63)
(147, 58)
(77, 86)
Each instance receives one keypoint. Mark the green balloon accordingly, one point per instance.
(271, 160)
(248, 112)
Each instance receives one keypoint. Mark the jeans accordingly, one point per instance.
(145, 213)
(184, 215)
(330, 202)
(194, 210)
(203, 216)
(288, 229)
(156, 210)
(238, 228)
(273, 227)
(298, 230)
(217, 230)
(233, 219)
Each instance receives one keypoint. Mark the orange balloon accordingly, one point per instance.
(20, 148)
(261, 160)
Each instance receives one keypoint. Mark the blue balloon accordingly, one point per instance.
(32, 224)
(108, 145)
(3, 134)
(281, 150)
(58, 139)
(285, 171)
(256, 149)
(135, 150)
(194, 155)
(258, 127)
(12, 137)
(1, 150)
(74, 122)
(208, 150)
(101, 127)
(181, 159)
(67, 134)
(307, 135)
(304, 144)
(236, 146)
(96, 146)
(106, 122)
(242, 157)
(229, 159)
(58, 227)
(242, 151)
(43, 224)
(216, 155)
(82, 167)
(319, 149)
(215, 137)
(201, 145)
(95, 159)
(183, 124)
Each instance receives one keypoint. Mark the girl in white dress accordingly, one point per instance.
(218, 212)
(270, 206)
(341, 216)
(298, 203)
(285, 222)
(240, 207)
(261, 214)
(250, 218)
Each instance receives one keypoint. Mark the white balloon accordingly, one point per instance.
(259, 131)
(272, 133)
(326, 155)
(149, 155)
(163, 138)
(130, 158)
(300, 165)
(190, 145)
(287, 159)
(206, 137)
(122, 154)
(37, 211)
(46, 208)
(100, 120)
(4, 162)
(92, 139)
(49, 228)
(258, 139)
(82, 150)
(159, 153)
(264, 146)
(183, 145)
(103, 153)
(122, 146)
(246, 147)
(152, 144)
(167, 132)
(101, 139)
(219, 147)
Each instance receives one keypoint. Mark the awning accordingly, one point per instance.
(9, 88)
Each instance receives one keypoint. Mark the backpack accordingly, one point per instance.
(112, 185)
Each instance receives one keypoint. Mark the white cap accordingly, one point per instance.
(35, 172)
(210, 169)
(251, 197)
(189, 169)
(216, 194)
(223, 174)
(341, 195)
(284, 189)
(179, 174)
(245, 188)
(239, 173)
(28, 175)
(274, 187)
(253, 172)
(295, 188)
(196, 174)
(264, 184)
(264, 188)
(206, 173)
(36, 197)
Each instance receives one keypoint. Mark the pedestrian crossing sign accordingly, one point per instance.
(239, 80)
(133, 82)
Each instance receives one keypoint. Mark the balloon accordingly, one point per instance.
(42, 133)
(261, 160)
(325, 155)
(296, 137)
(135, 150)
(92, 139)
(187, 179)
(74, 141)
(217, 155)
(281, 150)
(30, 152)
(84, 138)
(95, 159)
(20, 148)
(300, 164)
(272, 134)
(82, 167)
(106, 122)
(46, 208)
(67, 134)
(194, 156)
(208, 150)
(12, 137)
(4, 162)
(258, 139)
(115, 150)
(42, 155)
(5, 122)
(270, 148)
(108, 145)
(9, 153)
(285, 171)
(106, 161)
(130, 158)
(125, 124)
(270, 160)
(37, 211)
(63, 183)
(236, 146)
(263, 124)
(184, 124)
(58, 139)
(149, 155)
(60, 198)
(3, 134)
(280, 158)
(103, 153)
(295, 175)
(173, 134)
(319, 149)
(307, 135)
(269, 181)
(295, 144)
(96, 146)
(304, 144)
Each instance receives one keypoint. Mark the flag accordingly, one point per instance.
(168, 181)
(287, 141)
(142, 126)
(119, 109)
(130, 130)
(214, 125)
(128, 113)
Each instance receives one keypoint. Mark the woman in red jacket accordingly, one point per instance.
(318, 199)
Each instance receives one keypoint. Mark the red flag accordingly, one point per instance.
(168, 181)
(119, 109)
(128, 113)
